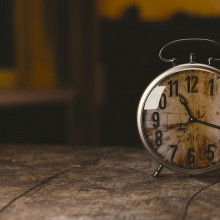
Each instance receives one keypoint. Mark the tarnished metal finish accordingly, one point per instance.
(190, 120)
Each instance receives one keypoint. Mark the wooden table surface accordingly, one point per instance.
(63, 183)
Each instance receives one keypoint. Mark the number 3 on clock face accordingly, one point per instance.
(179, 118)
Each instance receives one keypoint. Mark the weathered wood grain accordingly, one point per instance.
(57, 182)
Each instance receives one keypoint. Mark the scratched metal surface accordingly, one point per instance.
(57, 182)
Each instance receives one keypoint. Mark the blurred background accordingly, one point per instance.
(72, 71)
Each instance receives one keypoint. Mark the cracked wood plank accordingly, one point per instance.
(58, 182)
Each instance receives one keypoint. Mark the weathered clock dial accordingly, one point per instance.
(181, 119)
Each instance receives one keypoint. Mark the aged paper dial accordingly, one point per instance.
(181, 119)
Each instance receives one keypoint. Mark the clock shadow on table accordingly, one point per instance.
(210, 177)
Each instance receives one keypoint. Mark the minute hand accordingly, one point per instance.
(206, 123)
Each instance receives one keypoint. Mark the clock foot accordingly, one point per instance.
(159, 169)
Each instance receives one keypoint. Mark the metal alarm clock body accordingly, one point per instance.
(178, 118)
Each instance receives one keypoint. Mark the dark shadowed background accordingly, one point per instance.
(72, 71)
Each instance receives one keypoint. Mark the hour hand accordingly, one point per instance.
(182, 99)
(184, 102)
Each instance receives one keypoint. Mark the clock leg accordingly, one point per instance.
(159, 169)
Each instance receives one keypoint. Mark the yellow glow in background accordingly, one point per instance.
(159, 9)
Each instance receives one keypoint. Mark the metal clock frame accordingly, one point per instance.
(152, 85)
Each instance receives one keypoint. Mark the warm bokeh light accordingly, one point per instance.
(160, 9)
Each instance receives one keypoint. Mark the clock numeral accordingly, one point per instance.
(156, 119)
(190, 156)
(158, 136)
(210, 152)
(211, 82)
(163, 101)
(173, 85)
(191, 84)
(174, 151)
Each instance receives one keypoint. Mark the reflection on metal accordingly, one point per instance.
(159, 169)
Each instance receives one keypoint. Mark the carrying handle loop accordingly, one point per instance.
(174, 60)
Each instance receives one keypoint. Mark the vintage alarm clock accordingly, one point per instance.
(178, 116)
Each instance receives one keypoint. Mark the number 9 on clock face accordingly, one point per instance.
(179, 118)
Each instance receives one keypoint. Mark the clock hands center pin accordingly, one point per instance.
(183, 126)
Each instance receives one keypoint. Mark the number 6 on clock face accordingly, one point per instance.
(179, 118)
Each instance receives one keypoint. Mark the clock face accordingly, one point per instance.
(181, 119)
